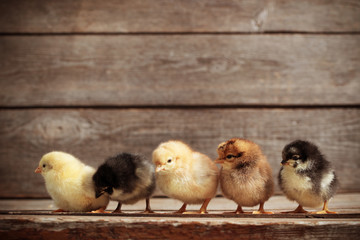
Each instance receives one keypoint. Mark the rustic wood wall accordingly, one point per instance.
(94, 78)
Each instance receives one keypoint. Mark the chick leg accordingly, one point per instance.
(202, 209)
(299, 209)
(237, 211)
(118, 208)
(204, 206)
(148, 209)
(261, 210)
(182, 209)
(325, 209)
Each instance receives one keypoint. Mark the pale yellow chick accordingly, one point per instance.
(69, 183)
(186, 175)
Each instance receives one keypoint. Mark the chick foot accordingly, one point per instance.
(237, 211)
(261, 210)
(202, 209)
(204, 206)
(100, 210)
(325, 210)
(182, 209)
(59, 210)
(118, 208)
(196, 212)
(148, 209)
(299, 209)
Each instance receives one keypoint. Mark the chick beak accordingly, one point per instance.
(284, 163)
(159, 168)
(38, 170)
(219, 161)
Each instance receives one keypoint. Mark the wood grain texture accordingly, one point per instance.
(348, 205)
(94, 134)
(67, 16)
(92, 227)
(182, 70)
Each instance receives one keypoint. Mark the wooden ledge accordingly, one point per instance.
(100, 227)
(33, 219)
(171, 214)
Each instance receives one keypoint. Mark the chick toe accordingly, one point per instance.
(204, 206)
(261, 210)
(148, 208)
(325, 210)
(182, 209)
(59, 210)
(118, 208)
(237, 211)
(299, 209)
(100, 210)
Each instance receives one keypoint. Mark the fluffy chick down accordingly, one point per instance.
(69, 182)
(126, 178)
(306, 176)
(185, 174)
(246, 176)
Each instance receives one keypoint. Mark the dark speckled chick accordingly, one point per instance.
(306, 176)
(126, 178)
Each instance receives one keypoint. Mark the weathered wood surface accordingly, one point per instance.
(42, 16)
(21, 219)
(342, 203)
(94, 134)
(92, 227)
(184, 70)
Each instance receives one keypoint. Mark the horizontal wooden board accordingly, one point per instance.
(168, 70)
(94, 134)
(94, 227)
(42, 16)
(345, 204)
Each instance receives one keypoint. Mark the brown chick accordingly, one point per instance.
(184, 174)
(245, 176)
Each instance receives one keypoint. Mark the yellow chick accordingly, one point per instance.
(186, 175)
(69, 183)
(245, 176)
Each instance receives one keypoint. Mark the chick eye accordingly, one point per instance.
(44, 165)
(229, 156)
(169, 160)
(296, 157)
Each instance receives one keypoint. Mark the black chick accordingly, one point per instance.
(306, 176)
(127, 178)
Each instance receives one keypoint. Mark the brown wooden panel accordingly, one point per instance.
(179, 70)
(94, 134)
(345, 204)
(129, 16)
(177, 228)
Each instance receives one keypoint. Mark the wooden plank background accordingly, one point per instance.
(180, 70)
(94, 134)
(68, 16)
(94, 78)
